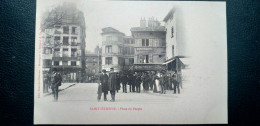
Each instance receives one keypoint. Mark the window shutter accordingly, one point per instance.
(150, 58)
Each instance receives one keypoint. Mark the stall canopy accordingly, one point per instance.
(174, 64)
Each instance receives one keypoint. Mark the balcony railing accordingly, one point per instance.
(74, 44)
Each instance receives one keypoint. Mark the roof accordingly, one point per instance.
(169, 15)
(158, 28)
(110, 30)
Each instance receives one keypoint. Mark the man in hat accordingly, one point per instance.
(56, 82)
(103, 79)
(112, 84)
(124, 81)
(146, 81)
(138, 82)
(176, 83)
(163, 82)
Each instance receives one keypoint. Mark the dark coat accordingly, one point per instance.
(56, 80)
(104, 82)
(130, 79)
(163, 80)
(118, 82)
(112, 82)
(138, 80)
(124, 79)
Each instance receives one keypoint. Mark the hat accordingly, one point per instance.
(104, 71)
(163, 71)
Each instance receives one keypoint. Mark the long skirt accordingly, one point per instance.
(157, 84)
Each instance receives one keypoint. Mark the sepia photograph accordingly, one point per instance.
(130, 62)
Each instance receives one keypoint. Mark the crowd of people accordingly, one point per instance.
(155, 81)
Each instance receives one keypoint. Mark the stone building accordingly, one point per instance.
(171, 43)
(129, 53)
(112, 49)
(64, 27)
(93, 64)
(149, 46)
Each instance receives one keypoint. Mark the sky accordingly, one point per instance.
(194, 19)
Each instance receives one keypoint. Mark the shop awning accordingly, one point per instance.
(168, 61)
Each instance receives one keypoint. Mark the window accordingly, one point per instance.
(132, 51)
(121, 50)
(94, 64)
(56, 63)
(48, 40)
(131, 61)
(74, 39)
(144, 58)
(46, 63)
(160, 56)
(73, 52)
(47, 51)
(57, 40)
(57, 52)
(65, 40)
(73, 30)
(121, 61)
(172, 32)
(65, 63)
(108, 60)
(172, 50)
(145, 42)
(73, 63)
(65, 52)
(109, 38)
(65, 30)
(94, 59)
(108, 49)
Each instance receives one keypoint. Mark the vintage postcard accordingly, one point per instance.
(130, 62)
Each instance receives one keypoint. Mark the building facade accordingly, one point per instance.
(129, 53)
(112, 49)
(65, 43)
(150, 45)
(93, 64)
(171, 43)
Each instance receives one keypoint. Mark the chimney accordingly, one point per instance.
(142, 22)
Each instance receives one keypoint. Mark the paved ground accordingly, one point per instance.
(197, 103)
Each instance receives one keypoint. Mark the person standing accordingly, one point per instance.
(124, 82)
(176, 84)
(103, 79)
(131, 82)
(118, 82)
(56, 82)
(146, 82)
(138, 81)
(112, 82)
(150, 80)
(163, 82)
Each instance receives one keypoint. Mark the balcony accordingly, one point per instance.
(57, 32)
(65, 58)
(74, 44)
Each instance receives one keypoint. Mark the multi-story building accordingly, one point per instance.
(129, 53)
(150, 45)
(112, 49)
(93, 64)
(171, 43)
(174, 48)
(65, 31)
